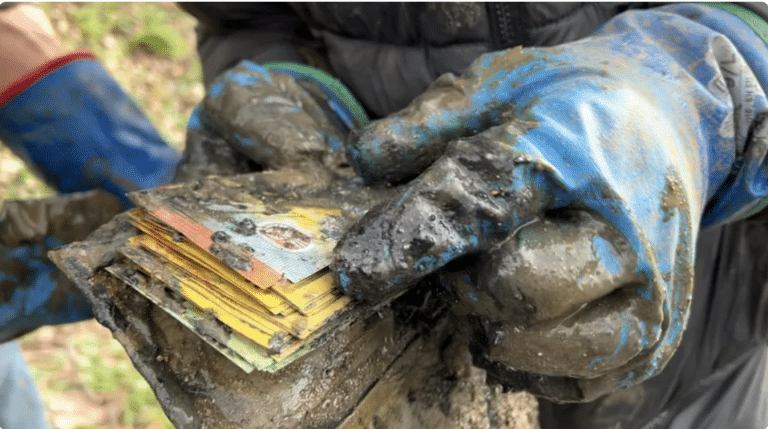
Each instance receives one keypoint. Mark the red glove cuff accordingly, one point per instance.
(21, 84)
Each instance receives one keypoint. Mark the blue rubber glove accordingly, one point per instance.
(636, 136)
(277, 115)
(72, 123)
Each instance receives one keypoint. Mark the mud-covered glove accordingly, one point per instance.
(605, 156)
(73, 124)
(33, 291)
(275, 115)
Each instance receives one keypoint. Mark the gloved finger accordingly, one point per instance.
(472, 197)
(567, 288)
(269, 118)
(403, 144)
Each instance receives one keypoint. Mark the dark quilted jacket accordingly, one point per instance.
(387, 53)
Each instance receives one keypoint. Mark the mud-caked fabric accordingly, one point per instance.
(33, 292)
(77, 129)
(654, 124)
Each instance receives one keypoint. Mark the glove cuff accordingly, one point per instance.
(26, 81)
(753, 20)
(341, 99)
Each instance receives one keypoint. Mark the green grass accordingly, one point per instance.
(159, 39)
(93, 363)
(116, 374)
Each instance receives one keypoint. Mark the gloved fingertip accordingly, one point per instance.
(364, 264)
(360, 274)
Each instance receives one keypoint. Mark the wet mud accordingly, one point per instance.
(67, 217)
(199, 388)
(273, 120)
(231, 255)
(549, 270)
(208, 155)
(434, 385)
(466, 202)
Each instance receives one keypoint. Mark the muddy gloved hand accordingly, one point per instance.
(33, 292)
(560, 192)
(276, 115)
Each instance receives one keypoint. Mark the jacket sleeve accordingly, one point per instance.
(261, 32)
